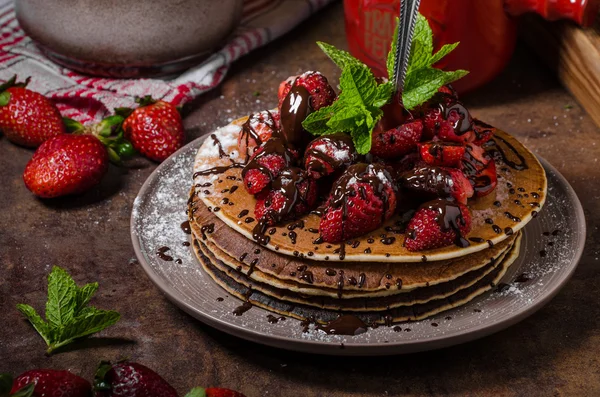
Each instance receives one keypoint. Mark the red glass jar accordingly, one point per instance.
(486, 30)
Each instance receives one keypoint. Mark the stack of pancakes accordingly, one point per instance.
(374, 276)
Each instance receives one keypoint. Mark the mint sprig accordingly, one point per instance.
(68, 316)
(358, 107)
(422, 79)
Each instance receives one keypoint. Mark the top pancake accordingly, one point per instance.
(520, 194)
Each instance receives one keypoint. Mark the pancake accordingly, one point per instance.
(252, 297)
(293, 294)
(382, 277)
(520, 194)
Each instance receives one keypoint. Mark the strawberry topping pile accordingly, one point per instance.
(431, 157)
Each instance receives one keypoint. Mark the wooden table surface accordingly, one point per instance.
(554, 352)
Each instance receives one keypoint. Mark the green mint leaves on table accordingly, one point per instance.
(68, 316)
(358, 107)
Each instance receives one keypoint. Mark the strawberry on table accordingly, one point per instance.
(447, 154)
(328, 154)
(49, 382)
(155, 128)
(130, 379)
(397, 142)
(360, 201)
(436, 224)
(26, 117)
(213, 392)
(66, 164)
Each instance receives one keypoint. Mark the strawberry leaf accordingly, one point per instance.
(6, 381)
(196, 392)
(25, 391)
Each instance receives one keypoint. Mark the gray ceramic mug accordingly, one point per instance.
(119, 38)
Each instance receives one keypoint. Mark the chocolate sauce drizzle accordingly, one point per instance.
(287, 182)
(341, 143)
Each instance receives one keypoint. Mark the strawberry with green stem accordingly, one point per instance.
(45, 382)
(27, 117)
(73, 163)
(155, 128)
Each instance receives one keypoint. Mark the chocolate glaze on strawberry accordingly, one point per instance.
(249, 131)
(449, 217)
(317, 161)
(295, 108)
(275, 145)
(287, 183)
(433, 180)
(448, 104)
(361, 173)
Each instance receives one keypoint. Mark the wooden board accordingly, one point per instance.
(574, 53)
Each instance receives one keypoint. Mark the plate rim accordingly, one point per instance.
(350, 348)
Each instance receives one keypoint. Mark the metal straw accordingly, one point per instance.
(409, 10)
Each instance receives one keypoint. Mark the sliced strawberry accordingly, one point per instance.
(360, 201)
(448, 90)
(483, 132)
(474, 160)
(328, 154)
(446, 154)
(257, 129)
(436, 224)
(293, 193)
(431, 181)
(266, 164)
(397, 142)
(485, 181)
(447, 118)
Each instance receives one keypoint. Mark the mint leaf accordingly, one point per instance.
(196, 392)
(90, 321)
(422, 79)
(340, 57)
(391, 58)
(356, 111)
(425, 83)
(68, 315)
(445, 50)
(83, 296)
(36, 320)
(61, 297)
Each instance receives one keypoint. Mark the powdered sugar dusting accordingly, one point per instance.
(160, 209)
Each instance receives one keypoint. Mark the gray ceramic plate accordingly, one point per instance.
(159, 210)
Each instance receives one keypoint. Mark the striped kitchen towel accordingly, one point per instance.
(89, 99)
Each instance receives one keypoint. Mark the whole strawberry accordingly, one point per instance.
(213, 392)
(155, 128)
(26, 117)
(66, 164)
(436, 224)
(360, 201)
(49, 382)
(129, 379)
